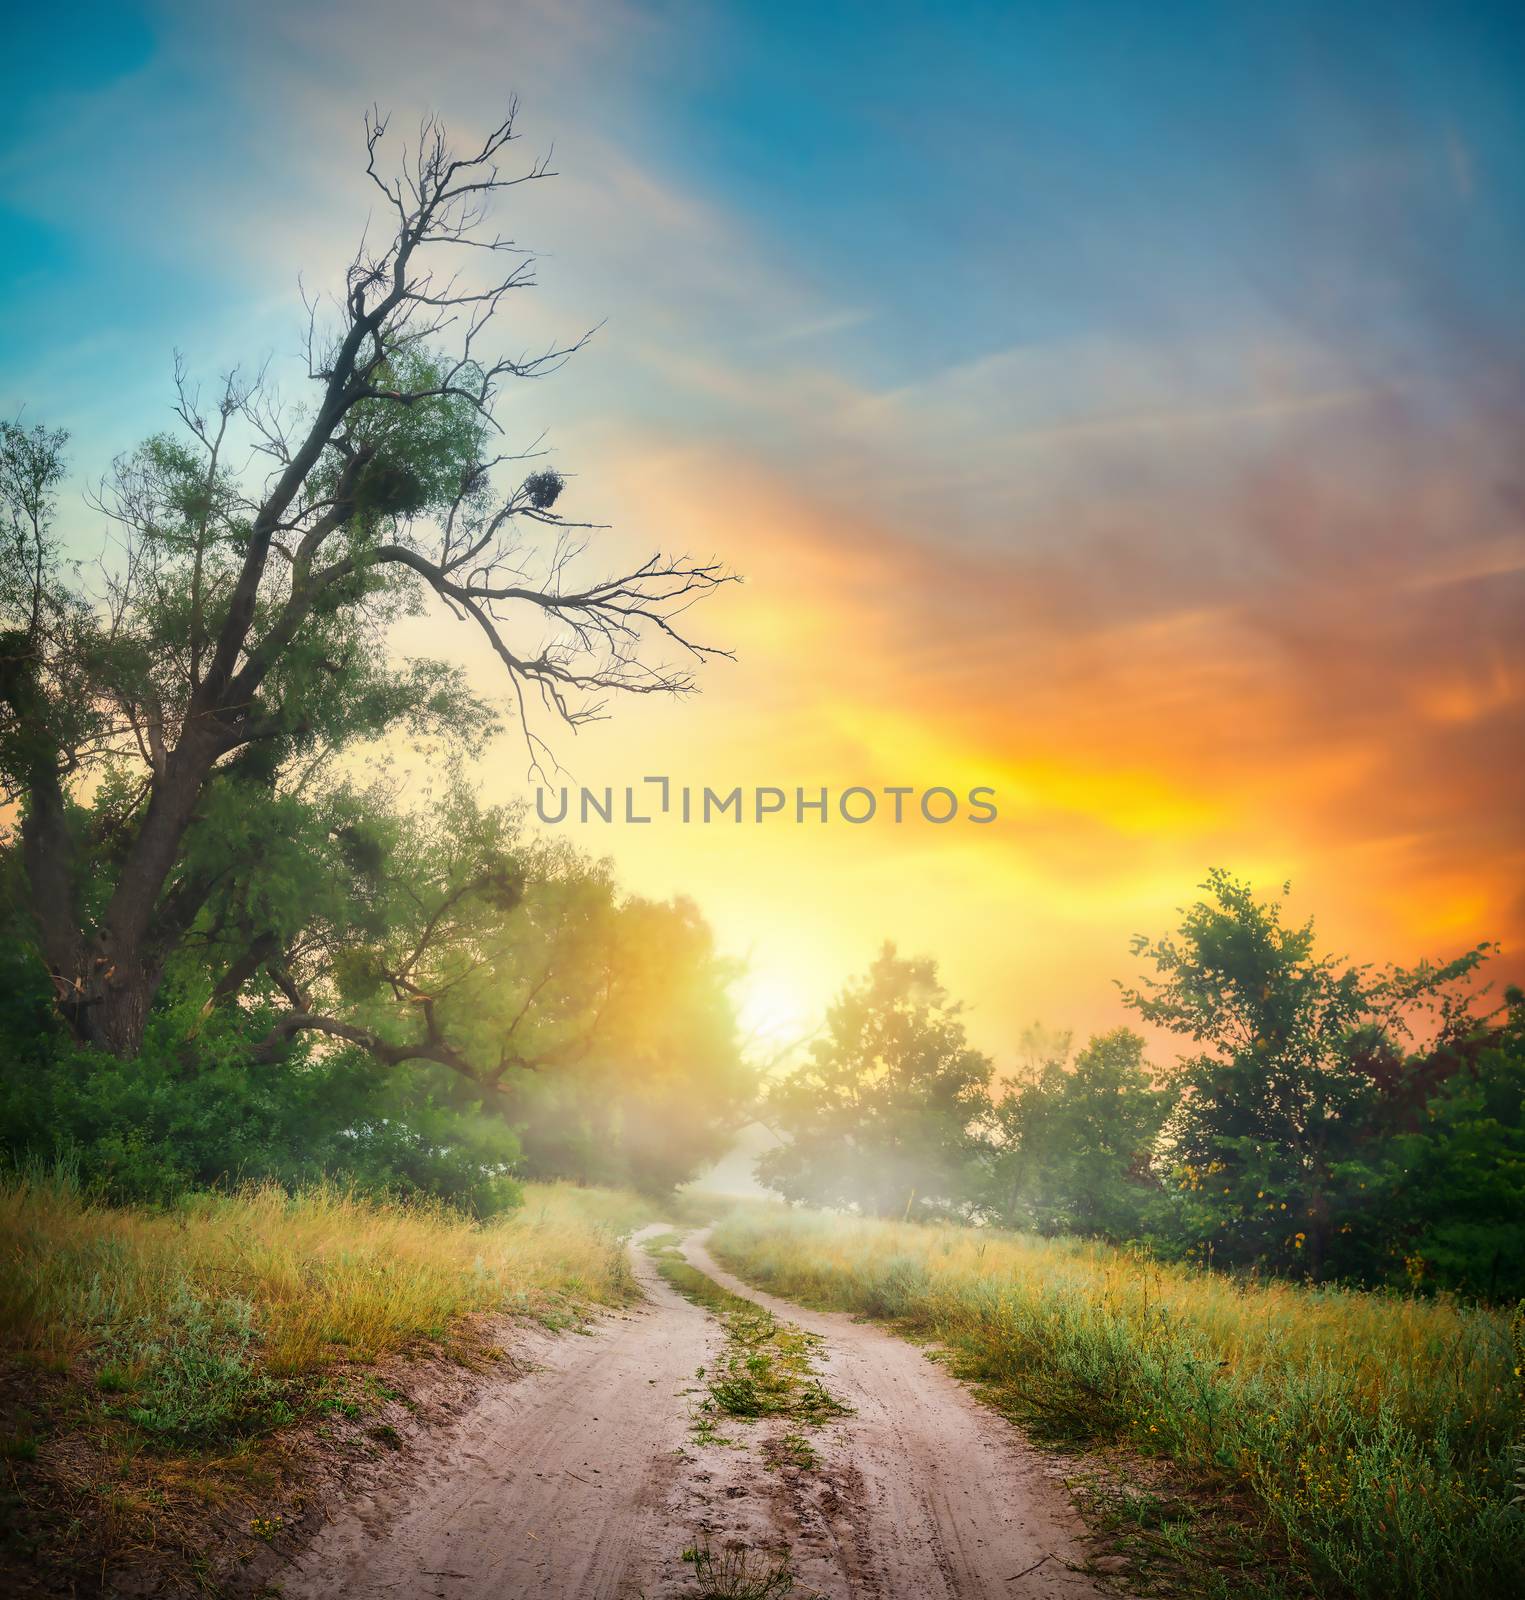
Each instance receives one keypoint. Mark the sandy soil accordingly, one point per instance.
(583, 1479)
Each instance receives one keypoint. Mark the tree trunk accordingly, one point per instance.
(107, 1003)
(120, 1015)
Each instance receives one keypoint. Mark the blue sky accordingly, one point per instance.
(1125, 399)
(964, 179)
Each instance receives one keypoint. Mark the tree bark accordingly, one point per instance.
(126, 968)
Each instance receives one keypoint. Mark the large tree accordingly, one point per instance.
(474, 981)
(240, 634)
(1455, 1210)
(1303, 1067)
(883, 1113)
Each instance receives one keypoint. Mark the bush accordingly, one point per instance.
(172, 1120)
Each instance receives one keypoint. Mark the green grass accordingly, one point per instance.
(287, 1286)
(1362, 1443)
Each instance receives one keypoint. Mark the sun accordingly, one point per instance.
(770, 1011)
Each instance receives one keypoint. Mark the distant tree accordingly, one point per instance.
(239, 637)
(1071, 1145)
(662, 1086)
(883, 1114)
(1302, 1073)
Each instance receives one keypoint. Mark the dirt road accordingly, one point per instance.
(584, 1481)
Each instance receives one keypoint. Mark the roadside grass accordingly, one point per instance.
(292, 1284)
(767, 1369)
(148, 1358)
(1359, 1445)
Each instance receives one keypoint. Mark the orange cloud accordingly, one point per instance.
(1306, 666)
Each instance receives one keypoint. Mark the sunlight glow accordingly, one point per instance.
(772, 1014)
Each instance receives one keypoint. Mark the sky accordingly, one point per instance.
(1117, 406)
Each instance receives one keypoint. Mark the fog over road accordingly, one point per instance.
(583, 1480)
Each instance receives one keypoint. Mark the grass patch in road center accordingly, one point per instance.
(736, 1573)
(767, 1368)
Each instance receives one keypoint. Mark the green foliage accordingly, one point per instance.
(882, 1114)
(1072, 1146)
(190, 1376)
(1456, 1184)
(660, 1087)
(602, 1027)
(1285, 1148)
(39, 714)
(420, 454)
(167, 1122)
(1331, 1121)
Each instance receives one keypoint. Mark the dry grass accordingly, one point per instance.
(1369, 1434)
(151, 1358)
(317, 1278)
